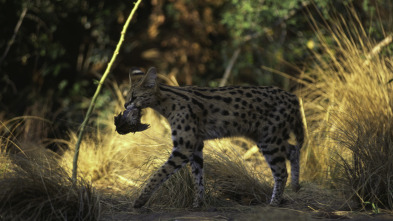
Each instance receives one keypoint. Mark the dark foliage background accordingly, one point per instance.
(53, 59)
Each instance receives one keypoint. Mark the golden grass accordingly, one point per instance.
(35, 189)
(32, 185)
(349, 110)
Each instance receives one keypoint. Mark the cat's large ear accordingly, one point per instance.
(150, 78)
(133, 72)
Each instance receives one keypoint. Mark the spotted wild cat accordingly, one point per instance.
(266, 115)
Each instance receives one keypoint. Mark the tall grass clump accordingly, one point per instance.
(349, 110)
(34, 190)
(33, 186)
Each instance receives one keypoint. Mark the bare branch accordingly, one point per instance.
(229, 67)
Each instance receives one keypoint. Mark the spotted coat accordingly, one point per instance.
(266, 115)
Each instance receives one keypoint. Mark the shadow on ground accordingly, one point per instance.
(312, 202)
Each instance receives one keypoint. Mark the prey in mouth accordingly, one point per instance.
(130, 121)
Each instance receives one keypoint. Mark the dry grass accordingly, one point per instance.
(229, 181)
(349, 109)
(33, 189)
(231, 177)
(368, 172)
(32, 185)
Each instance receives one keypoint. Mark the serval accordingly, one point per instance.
(266, 115)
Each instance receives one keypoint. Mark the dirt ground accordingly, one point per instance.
(250, 213)
(310, 203)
